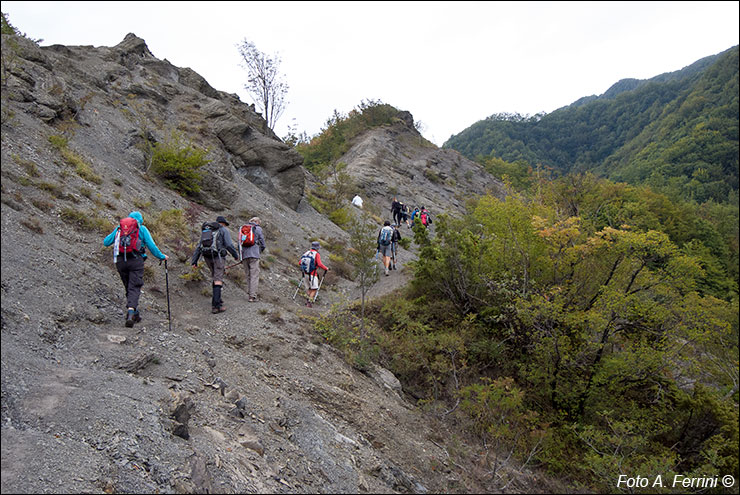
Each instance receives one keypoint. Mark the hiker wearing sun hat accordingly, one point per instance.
(215, 242)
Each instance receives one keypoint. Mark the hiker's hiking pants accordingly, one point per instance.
(217, 266)
(252, 271)
(131, 271)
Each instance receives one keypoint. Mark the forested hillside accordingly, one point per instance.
(677, 132)
(584, 325)
(581, 325)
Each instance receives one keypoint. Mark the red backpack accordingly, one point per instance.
(127, 239)
(246, 235)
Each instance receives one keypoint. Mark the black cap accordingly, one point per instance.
(222, 220)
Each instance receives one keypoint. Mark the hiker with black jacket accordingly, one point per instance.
(129, 255)
(215, 242)
(396, 210)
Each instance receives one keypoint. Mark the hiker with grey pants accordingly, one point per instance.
(250, 256)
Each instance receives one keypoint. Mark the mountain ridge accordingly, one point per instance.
(611, 134)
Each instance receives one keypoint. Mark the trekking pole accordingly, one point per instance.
(299, 285)
(167, 285)
(319, 288)
(235, 264)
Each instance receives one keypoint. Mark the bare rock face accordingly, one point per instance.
(135, 93)
(270, 164)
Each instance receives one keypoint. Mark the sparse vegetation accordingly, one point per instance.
(31, 169)
(81, 167)
(87, 221)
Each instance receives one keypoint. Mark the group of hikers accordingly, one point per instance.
(131, 239)
(403, 213)
(390, 234)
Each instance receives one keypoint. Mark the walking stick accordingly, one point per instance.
(319, 288)
(299, 285)
(167, 284)
(232, 266)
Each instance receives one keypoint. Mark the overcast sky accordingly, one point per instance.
(448, 63)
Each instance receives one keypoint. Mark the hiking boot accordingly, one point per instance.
(252, 299)
(137, 317)
(220, 309)
(130, 318)
(309, 304)
(214, 310)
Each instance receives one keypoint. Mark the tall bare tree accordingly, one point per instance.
(265, 83)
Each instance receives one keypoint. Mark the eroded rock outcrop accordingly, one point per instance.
(143, 95)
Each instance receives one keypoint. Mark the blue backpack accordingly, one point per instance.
(308, 262)
(386, 234)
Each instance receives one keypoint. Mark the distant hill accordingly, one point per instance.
(677, 132)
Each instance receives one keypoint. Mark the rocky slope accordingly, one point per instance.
(395, 160)
(251, 400)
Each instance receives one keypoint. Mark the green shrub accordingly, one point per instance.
(178, 162)
(342, 329)
(341, 217)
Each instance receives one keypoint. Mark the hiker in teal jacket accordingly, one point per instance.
(131, 266)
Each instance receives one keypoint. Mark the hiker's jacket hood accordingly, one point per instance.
(146, 237)
(137, 216)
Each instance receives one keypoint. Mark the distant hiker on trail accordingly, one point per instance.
(424, 217)
(215, 242)
(394, 246)
(357, 201)
(310, 263)
(414, 217)
(385, 237)
(251, 243)
(405, 214)
(131, 238)
(396, 210)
